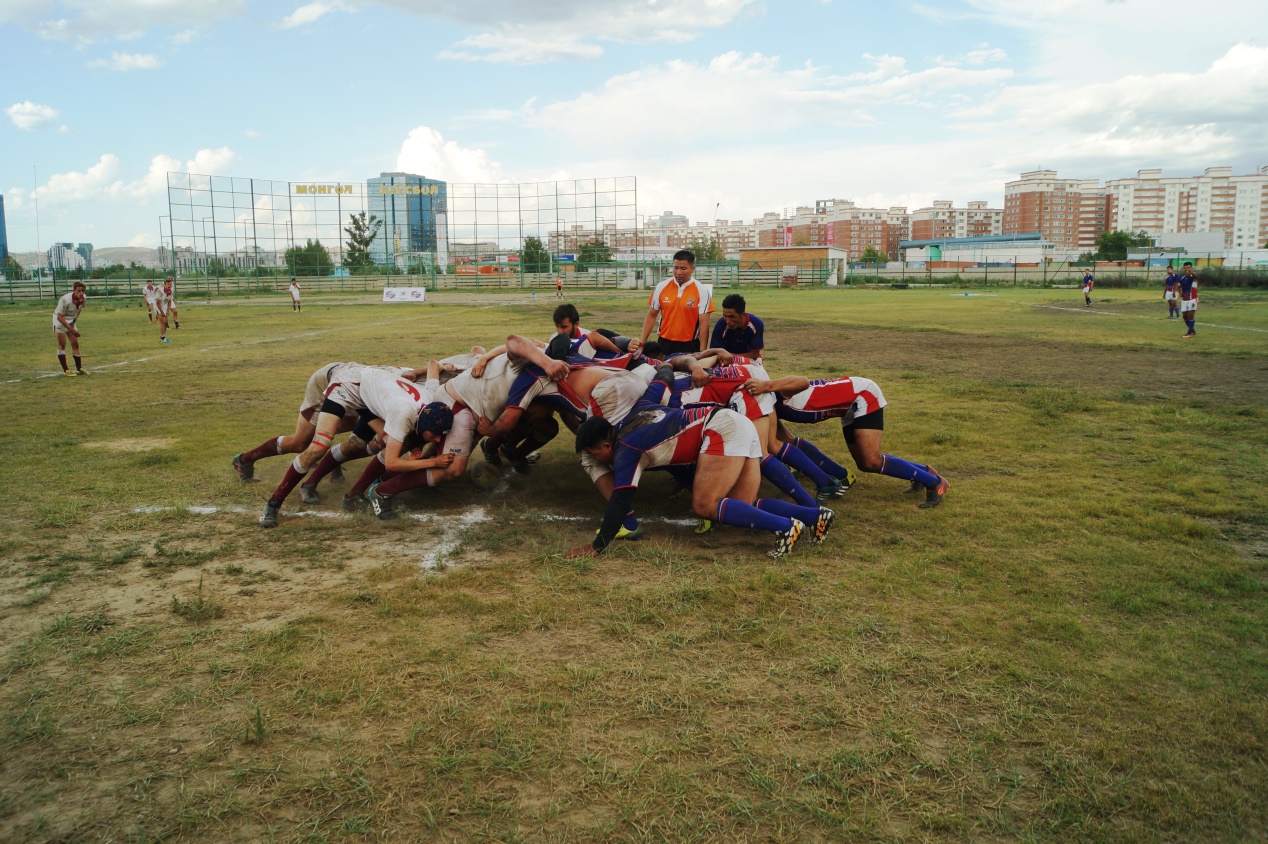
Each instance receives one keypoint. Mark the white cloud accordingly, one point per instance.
(82, 22)
(124, 62)
(182, 38)
(211, 162)
(154, 183)
(31, 116)
(308, 13)
(99, 181)
(253, 134)
(513, 48)
(428, 154)
(144, 240)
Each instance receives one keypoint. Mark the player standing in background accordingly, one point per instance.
(169, 287)
(151, 290)
(295, 295)
(1169, 292)
(738, 332)
(683, 307)
(164, 303)
(1088, 281)
(1189, 299)
(64, 316)
(559, 287)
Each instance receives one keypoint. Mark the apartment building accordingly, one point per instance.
(944, 220)
(1068, 212)
(839, 223)
(1216, 201)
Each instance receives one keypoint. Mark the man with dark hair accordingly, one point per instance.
(1189, 299)
(724, 447)
(683, 306)
(738, 332)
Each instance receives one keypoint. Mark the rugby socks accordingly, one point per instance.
(79, 363)
(779, 474)
(268, 448)
(805, 515)
(329, 461)
(290, 480)
(823, 461)
(406, 481)
(732, 511)
(61, 358)
(799, 460)
(896, 467)
(1192, 323)
(372, 473)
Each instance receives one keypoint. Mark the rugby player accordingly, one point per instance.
(151, 290)
(721, 442)
(1169, 293)
(860, 405)
(164, 304)
(1189, 299)
(64, 317)
(392, 406)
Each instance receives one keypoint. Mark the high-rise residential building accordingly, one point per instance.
(839, 223)
(1068, 212)
(67, 256)
(84, 250)
(413, 210)
(668, 220)
(1216, 201)
(943, 219)
(4, 236)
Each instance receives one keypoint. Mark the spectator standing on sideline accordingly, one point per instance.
(295, 295)
(559, 287)
(1189, 299)
(64, 316)
(1088, 281)
(1169, 293)
(738, 332)
(683, 306)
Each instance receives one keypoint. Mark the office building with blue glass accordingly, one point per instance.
(4, 236)
(413, 210)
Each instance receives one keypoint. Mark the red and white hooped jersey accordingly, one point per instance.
(836, 398)
(724, 387)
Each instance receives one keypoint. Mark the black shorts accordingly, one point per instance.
(677, 347)
(874, 421)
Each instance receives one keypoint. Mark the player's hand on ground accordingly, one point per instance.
(582, 551)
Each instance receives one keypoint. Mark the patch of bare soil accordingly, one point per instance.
(131, 444)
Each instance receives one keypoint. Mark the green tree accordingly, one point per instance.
(12, 269)
(1113, 246)
(871, 255)
(593, 252)
(361, 233)
(707, 250)
(309, 259)
(533, 257)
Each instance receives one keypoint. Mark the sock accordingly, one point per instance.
(372, 473)
(631, 521)
(806, 515)
(290, 480)
(794, 457)
(268, 448)
(778, 474)
(324, 467)
(79, 364)
(732, 511)
(406, 481)
(61, 358)
(1192, 323)
(820, 459)
(896, 467)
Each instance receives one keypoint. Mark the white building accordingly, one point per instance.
(1216, 201)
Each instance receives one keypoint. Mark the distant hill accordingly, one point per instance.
(101, 257)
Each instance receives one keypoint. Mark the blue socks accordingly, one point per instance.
(806, 515)
(794, 457)
(896, 467)
(823, 461)
(779, 474)
(738, 514)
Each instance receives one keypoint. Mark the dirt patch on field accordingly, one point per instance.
(132, 444)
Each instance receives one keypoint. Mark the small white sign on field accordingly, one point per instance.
(404, 294)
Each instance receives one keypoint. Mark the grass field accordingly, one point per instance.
(1074, 646)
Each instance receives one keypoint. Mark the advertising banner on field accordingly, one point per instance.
(404, 294)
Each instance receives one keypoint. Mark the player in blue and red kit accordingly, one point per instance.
(1169, 294)
(1189, 299)
(721, 443)
(860, 405)
(737, 331)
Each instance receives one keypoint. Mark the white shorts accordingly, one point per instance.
(1087, 290)
(58, 328)
(1169, 295)
(315, 392)
(348, 395)
(461, 436)
(1188, 305)
(730, 434)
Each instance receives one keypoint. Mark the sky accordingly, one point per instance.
(737, 107)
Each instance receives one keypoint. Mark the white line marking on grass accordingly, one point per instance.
(967, 295)
(1085, 310)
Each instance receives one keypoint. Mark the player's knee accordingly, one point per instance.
(870, 463)
(545, 430)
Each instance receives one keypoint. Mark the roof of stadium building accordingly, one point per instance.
(983, 240)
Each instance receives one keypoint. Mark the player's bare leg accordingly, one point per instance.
(725, 490)
(866, 451)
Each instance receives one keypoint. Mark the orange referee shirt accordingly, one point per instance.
(680, 309)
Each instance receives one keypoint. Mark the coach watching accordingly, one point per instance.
(738, 332)
(684, 307)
